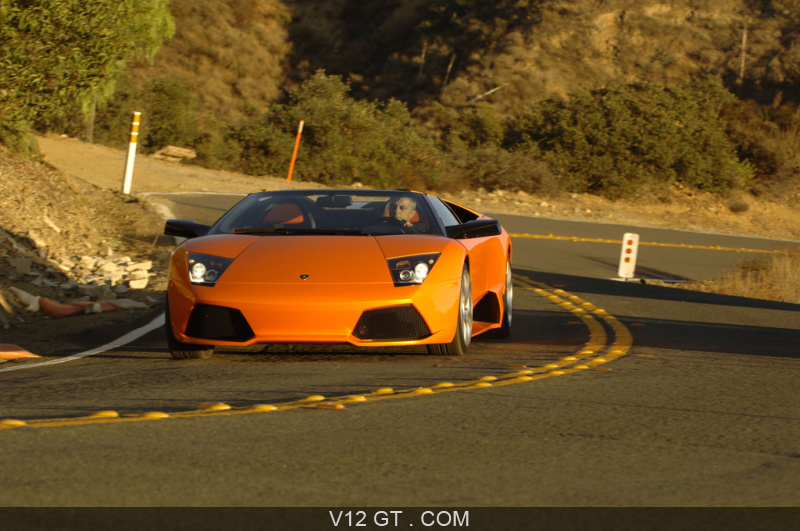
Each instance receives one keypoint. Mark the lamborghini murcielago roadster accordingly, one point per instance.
(366, 267)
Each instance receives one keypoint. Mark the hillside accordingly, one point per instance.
(244, 53)
(491, 94)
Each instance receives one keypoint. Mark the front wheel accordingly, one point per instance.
(180, 350)
(460, 343)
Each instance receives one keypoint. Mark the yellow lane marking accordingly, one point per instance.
(596, 351)
(652, 244)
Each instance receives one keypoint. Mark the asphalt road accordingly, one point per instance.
(701, 411)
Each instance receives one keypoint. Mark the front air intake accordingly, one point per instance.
(397, 323)
(218, 323)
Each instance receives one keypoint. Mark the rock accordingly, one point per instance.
(119, 259)
(108, 267)
(68, 285)
(173, 153)
(88, 262)
(86, 288)
(138, 284)
(137, 275)
(147, 265)
(121, 289)
(128, 304)
(31, 302)
(105, 249)
(94, 280)
(103, 293)
(38, 241)
(50, 224)
(21, 265)
(80, 272)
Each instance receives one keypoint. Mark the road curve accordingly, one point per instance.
(606, 394)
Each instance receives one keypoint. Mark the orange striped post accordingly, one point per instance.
(126, 181)
(294, 154)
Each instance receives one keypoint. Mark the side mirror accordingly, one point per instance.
(185, 228)
(477, 228)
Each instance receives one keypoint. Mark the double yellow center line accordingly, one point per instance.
(651, 244)
(601, 348)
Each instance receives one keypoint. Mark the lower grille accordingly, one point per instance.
(398, 323)
(218, 323)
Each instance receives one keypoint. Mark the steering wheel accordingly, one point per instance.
(386, 225)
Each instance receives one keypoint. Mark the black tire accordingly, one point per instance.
(508, 306)
(460, 343)
(180, 350)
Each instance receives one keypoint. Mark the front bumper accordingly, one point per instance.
(360, 314)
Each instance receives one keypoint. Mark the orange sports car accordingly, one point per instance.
(366, 267)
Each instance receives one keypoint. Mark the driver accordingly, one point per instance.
(403, 209)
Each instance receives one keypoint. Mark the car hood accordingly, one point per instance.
(310, 258)
(224, 245)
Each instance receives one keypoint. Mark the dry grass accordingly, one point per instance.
(232, 53)
(775, 278)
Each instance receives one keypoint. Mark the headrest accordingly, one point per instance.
(284, 214)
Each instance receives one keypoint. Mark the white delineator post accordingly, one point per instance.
(627, 259)
(126, 181)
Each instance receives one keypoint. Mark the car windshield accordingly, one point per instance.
(329, 212)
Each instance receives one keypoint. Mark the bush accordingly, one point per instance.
(16, 137)
(344, 140)
(614, 142)
(171, 115)
(494, 168)
(769, 136)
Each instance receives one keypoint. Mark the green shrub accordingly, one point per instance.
(494, 168)
(171, 115)
(344, 140)
(769, 137)
(17, 138)
(614, 142)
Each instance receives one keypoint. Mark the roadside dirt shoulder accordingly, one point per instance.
(740, 214)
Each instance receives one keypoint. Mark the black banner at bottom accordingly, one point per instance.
(412, 519)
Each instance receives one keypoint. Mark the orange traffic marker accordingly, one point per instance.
(13, 352)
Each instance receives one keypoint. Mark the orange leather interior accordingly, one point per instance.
(288, 214)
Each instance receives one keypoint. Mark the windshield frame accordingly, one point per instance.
(327, 212)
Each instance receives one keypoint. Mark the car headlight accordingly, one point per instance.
(205, 269)
(411, 270)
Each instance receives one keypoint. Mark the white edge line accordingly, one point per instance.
(124, 340)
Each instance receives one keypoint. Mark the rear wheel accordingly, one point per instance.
(180, 350)
(508, 305)
(460, 343)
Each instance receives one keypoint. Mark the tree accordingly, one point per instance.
(57, 54)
